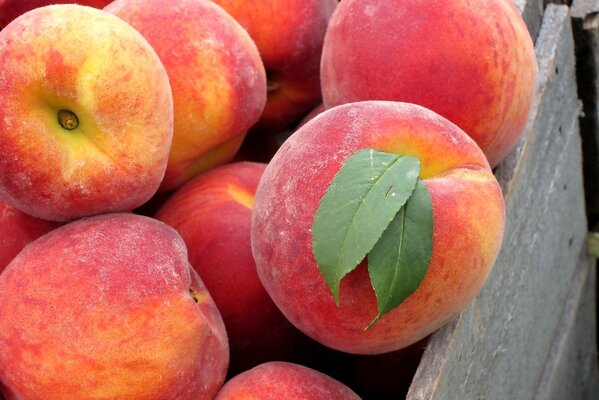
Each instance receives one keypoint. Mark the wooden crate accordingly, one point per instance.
(531, 331)
(585, 17)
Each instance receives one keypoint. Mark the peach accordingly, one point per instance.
(217, 78)
(11, 9)
(213, 214)
(85, 114)
(468, 214)
(471, 62)
(108, 307)
(17, 229)
(282, 380)
(289, 35)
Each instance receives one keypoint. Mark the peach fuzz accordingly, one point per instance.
(278, 380)
(289, 35)
(468, 212)
(217, 78)
(85, 114)
(472, 62)
(17, 229)
(213, 214)
(109, 307)
(11, 9)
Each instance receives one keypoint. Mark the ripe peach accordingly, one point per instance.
(472, 62)
(283, 380)
(108, 307)
(17, 229)
(11, 9)
(213, 214)
(85, 114)
(217, 77)
(468, 212)
(289, 35)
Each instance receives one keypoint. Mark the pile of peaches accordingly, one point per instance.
(206, 199)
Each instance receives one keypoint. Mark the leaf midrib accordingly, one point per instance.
(399, 252)
(377, 181)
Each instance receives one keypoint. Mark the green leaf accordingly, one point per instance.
(399, 261)
(361, 201)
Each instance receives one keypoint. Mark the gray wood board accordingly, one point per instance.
(532, 12)
(497, 348)
(584, 8)
(571, 369)
(585, 15)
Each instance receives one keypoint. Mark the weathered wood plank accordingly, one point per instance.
(585, 14)
(532, 12)
(584, 8)
(480, 355)
(571, 368)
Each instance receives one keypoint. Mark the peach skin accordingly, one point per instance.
(17, 229)
(284, 380)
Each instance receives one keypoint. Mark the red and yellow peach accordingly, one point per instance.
(216, 74)
(468, 212)
(109, 307)
(86, 114)
(472, 62)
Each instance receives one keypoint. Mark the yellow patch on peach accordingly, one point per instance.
(199, 129)
(241, 196)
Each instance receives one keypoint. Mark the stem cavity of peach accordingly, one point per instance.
(68, 119)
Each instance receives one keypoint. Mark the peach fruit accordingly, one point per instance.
(472, 62)
(85, 114)
(108, 307)
(468, 213)
(278, 380)
(11, 9)
(17, 229)
(217, 78)
(213, 214)
(289, 35)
